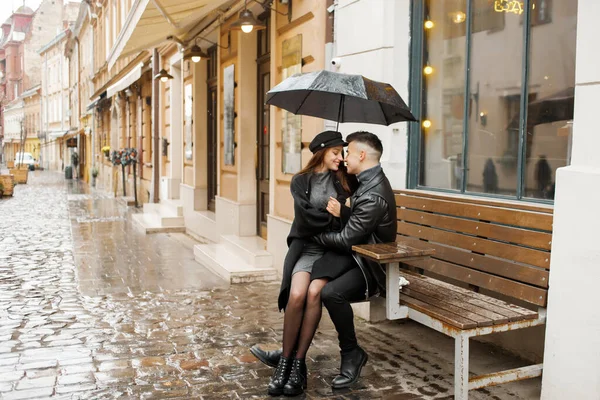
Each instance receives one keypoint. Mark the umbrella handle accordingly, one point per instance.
(342, 100)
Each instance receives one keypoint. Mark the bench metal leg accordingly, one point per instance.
(461, 367)
(393, 309)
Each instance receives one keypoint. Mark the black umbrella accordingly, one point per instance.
(340, 97)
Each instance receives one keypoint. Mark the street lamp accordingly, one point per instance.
(163, 75)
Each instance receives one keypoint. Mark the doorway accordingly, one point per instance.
(211, 129)
(263, 134)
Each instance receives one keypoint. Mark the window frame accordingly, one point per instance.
(417, 12)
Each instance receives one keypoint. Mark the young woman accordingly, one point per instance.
(308, 266)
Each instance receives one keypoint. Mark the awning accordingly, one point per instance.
(150, 22)
(56, 134)
(126, 81)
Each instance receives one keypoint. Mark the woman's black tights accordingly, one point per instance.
(302, 314)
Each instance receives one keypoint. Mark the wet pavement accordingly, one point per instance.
(91, 308)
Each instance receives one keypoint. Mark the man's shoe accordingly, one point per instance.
(270, 358)
(350, 368)
(280, 377)
(297, 383)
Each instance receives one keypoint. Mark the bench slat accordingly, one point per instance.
(434, 301)
(511, 270)
(497, 284)
(511, 311)
(506, 216)
(525, 237)
(470, 199)
(484, 246)
(438, 313)
(456, 299)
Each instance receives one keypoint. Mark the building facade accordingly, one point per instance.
(55, 103)
(493, 86)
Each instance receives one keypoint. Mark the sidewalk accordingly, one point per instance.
(92, 309)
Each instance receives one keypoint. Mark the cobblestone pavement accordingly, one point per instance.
(92, 309)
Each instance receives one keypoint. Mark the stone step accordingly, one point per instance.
(202, 224)
(221, 260)
(251, 249)
(164, 208)
(153, 223)
(129, 201)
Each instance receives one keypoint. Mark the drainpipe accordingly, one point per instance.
(155, 125)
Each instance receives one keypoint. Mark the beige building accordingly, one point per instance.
(55, 103)
(224, 161)
(32, 121)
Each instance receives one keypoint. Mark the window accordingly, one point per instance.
(482, 130)
(114, 23)
(106, 33)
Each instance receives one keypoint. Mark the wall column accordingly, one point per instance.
(572, 348)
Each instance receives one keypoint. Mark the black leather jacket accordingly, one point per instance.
(372, 220)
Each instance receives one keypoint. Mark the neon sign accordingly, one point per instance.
(515, 7)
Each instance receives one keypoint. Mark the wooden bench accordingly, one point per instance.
(487, 272)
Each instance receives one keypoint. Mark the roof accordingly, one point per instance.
(31, 91)
(54, 41)
(24, 10)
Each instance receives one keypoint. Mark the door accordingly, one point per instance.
(263, 138)
(211, 129)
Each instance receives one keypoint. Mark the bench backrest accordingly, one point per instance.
(503, 247)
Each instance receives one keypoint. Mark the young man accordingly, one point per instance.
(372, 220)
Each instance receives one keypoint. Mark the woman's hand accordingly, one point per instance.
(334, 207)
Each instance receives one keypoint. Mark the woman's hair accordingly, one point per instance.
(317, 160)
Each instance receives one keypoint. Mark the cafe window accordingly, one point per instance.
(493, 86)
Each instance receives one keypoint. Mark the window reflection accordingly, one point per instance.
(552, 82)
(493, 105)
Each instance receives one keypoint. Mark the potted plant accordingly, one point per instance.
(1, 189)
(106, 151)
(94, 175)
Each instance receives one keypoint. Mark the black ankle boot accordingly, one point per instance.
(352, 363)
(297, 383)
(270, 358)
(280, 376)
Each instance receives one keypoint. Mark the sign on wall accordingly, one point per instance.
(291, 125)
(229, 114)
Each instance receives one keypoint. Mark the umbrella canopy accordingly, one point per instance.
(340, 97)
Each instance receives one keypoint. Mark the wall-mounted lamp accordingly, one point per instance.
(246, 21)
(426, 124)
(428, 69)
(459, 17)
(428, 23)
(195, 53)
(163, 75)
(483, 118)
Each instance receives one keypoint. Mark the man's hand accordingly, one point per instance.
(334, 207)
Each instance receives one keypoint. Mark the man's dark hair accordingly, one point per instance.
(368, 138)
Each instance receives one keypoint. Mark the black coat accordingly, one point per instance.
(310, 221)
(372, 220)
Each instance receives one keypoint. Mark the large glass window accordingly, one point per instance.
(483, 130)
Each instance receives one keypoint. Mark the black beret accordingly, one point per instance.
(326, 139)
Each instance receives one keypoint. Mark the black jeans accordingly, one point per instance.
(336, 296)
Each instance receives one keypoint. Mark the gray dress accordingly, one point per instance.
(321, 188)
